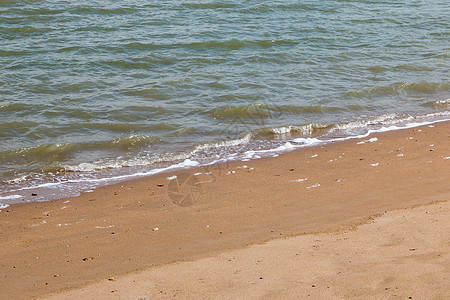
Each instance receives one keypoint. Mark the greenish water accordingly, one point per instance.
(87, 89)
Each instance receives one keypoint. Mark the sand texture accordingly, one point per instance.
(213, 225)
(400, 255)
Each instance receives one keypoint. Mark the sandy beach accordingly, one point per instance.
(403, 254)
(364, 218)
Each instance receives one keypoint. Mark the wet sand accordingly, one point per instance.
(319, 193)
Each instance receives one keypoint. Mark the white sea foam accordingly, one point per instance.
(18, 179)
(443, 101)
(313, 186)
(236, 142)
(9, 197)
(368, 141)
(307, 141)
(300, 180)
(286, 146)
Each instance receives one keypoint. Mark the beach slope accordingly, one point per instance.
(319, 194)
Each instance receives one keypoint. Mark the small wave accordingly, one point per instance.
(233, 44)
(264, 111)
(60, 151)
(5, 53)
(306, 129)
(211, 5)
(118, 163)
(132, 141)
(50, 151)
(351, 128)
(95, 28)
(103, 11)
(222, 144)
(25, 30)
(268, 7)
(401, 88)
(231, 112)
(413, 68)
(122, 64)
(17, 107)
(202, 150)
(378, 69)
(439, 104)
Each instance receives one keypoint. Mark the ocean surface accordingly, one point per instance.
(93, 92)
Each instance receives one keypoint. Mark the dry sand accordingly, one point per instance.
(400, 255)
(61, 246)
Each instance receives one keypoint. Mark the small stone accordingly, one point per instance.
(34, 194)
(155, 229)
(111, 278)
(88, 258)
(56, 275)
(260, 278)
(314, 285)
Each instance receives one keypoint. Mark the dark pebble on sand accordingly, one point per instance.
(88, 258)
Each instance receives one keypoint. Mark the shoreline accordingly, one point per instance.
(153, 221)
(77, 185)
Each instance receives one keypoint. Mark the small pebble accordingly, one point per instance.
(88, 258)
(155, 229)
(111, 278)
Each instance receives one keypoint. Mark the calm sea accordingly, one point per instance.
(94, 90)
